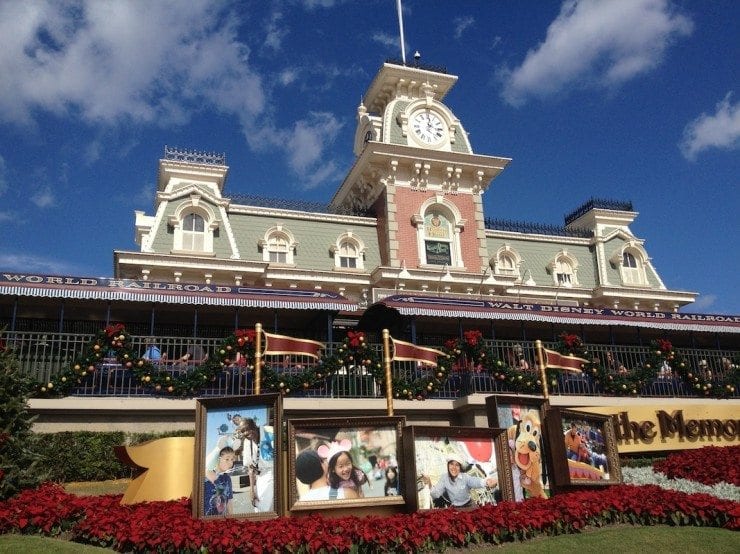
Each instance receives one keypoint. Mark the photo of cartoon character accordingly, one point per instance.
(526, 447)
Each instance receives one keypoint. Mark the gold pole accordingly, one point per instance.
(257, 357)
(388, 372)
(542, 366)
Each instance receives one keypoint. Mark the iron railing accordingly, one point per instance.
(42, 355)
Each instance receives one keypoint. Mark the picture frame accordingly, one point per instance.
(479, 452)
(523, 417)
(341, 463)
(588, 458)
(237, 461)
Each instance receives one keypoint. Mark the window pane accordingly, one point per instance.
(438, 253)
(628, 260)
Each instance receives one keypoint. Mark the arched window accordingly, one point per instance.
(633, 268)
(564, 268)
(437, 238)
(278, 246)
(193, 232)
(564, 273)
(348, 251)
(277, 249)
(438, 225)
(194, 224)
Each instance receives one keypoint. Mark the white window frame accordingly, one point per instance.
(181, 235)
(338, 249)
(278, 235)
(500, 266)
(456, 222)
(564, 270)
(631, 276)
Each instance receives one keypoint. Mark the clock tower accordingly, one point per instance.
(416, 170)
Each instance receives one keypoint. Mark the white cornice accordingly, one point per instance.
(306, 216)
(559, 239)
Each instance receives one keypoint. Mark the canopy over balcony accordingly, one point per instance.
(474, 308)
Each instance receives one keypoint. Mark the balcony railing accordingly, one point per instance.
(43, 355)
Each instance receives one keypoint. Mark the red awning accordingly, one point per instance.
(472, 308)
(129, 290)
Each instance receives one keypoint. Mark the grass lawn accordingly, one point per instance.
(614, 540)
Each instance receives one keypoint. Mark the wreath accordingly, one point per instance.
(237, 351)
(471, 355)
(701, 381)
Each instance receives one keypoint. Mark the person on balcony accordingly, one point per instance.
(153, 353)
(194, 355)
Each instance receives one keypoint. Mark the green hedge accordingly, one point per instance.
(88, 456)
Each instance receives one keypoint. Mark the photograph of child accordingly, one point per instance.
(239, 460)
(343, 464)
(585, 450)
(455, 472)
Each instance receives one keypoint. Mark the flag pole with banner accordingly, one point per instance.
(404, 352)
(387, 370)
(280, 344)
(257, 357)
(542, 367)
(551, 358)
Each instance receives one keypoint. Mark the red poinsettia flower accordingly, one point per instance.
(355, 338)
(247, 334)
(114, 329)
(570, 340)
(664, 346)
(473, 337)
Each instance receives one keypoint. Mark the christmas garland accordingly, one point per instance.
(468, 354)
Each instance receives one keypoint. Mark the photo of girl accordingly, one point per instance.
(460, 467)
(343, 473)
(336, 465)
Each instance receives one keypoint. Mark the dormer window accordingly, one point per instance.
(631, 260)
(348, 251)
(278, 246)
(564, 269)
(194, 224)
(193, 232)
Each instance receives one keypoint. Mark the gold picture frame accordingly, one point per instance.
(480, 454)
(237, 461)
(341, 463)
(523, 417)
(584, 449)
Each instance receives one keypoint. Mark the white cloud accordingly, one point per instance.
(720, 130)
(275, 33)
(461, 24)
(105, 61)
(44, 198)
(703, 302)
(309, 138)
(112, 63)
(288, 76)
(34, 264)
(386, 39)
(596, 44)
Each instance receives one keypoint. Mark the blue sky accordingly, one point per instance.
(627, 99)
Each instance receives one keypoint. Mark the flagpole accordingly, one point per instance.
(400, 26)
(257, 357)
(542, 367)
(388, 373)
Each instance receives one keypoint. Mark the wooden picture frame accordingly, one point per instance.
(341, 463)
(429, 451)
(237, 462)
(587, 458)
(523, 418)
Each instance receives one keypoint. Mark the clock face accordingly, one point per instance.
(428, 127)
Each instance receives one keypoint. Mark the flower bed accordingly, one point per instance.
(168, 526)
(709, 465)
